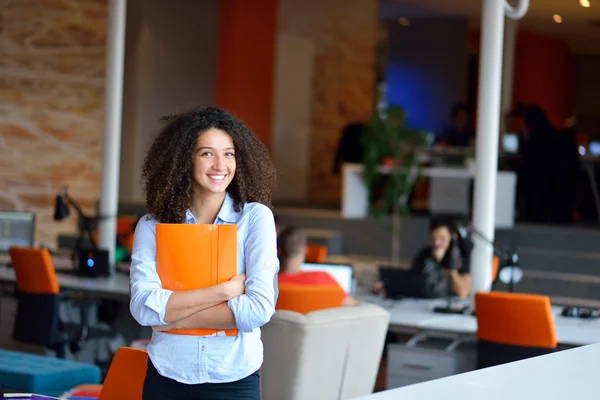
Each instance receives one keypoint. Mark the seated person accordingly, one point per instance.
(448, 255)
(459, 133)
(291, 246)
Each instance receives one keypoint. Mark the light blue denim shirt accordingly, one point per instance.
(217, 358)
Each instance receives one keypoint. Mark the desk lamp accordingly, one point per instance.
(510, 272)
(84, 223)
(92, 261)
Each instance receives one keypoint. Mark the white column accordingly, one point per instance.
(113, 99)
(488, 125)
(508, 69)
(486, 151)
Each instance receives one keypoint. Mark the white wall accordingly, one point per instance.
(170, 64)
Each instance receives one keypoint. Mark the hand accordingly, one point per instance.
(234, 287)
(377, 287)
(351, 301)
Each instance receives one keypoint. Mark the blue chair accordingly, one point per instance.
(43, 375)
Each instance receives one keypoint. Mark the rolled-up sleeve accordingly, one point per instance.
(148, 299)
(256, 307)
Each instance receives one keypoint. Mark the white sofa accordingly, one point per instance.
(330, 354)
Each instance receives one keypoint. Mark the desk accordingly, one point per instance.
(569, 374)
(115, 286)
(416, 315)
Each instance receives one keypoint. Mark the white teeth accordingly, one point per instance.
(217, 177)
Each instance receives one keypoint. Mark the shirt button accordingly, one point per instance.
(202, 348)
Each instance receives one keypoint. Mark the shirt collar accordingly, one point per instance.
(226, 214)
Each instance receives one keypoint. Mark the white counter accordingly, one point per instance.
(448, 192)
(569, 374)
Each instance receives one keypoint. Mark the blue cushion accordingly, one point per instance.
(43, 375)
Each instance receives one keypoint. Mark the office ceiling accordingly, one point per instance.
(580, 26)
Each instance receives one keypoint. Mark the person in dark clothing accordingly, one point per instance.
(447, 255)
(349, 147)
(550, 169)
(460, 133)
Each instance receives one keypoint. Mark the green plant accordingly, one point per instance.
(390, 160)
(391, 167)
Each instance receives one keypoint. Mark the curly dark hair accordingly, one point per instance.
(167, 173)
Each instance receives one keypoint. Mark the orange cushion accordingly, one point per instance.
(306, 298)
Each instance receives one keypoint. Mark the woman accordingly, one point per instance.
(447, 255)
(207, 167)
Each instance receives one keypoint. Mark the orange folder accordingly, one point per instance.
(194, 256)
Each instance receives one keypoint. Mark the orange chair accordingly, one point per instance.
(306, 298)
(124, 231)
(83, 391)
(125, 378)
(315, 253)
(512, 326)
(37, 320)
(495, 267)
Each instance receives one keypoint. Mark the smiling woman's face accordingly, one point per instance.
(214, 162)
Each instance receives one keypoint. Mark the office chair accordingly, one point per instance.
(495, 269)
(336, 352)
(37, 320)
(124, 380)
(315, 253)
(512, 327)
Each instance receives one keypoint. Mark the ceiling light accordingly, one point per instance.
(403, 21)
(585, 3)
(557, 18)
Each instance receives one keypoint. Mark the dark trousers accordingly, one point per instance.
(158, 387)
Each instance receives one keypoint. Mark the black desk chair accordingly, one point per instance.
(38, 302)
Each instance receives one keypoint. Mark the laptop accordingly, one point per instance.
(341, 273)
(399, 283)
(17, 228)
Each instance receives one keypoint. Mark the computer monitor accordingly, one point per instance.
(399, 283)
(341, 273)
(510, 142)
(594, 148)
(17, 228)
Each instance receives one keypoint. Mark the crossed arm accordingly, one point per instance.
(223, 306)
(203, 308)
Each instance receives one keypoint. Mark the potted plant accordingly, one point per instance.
(391, 166)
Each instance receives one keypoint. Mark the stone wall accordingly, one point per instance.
(344, 33)
(51, 106)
